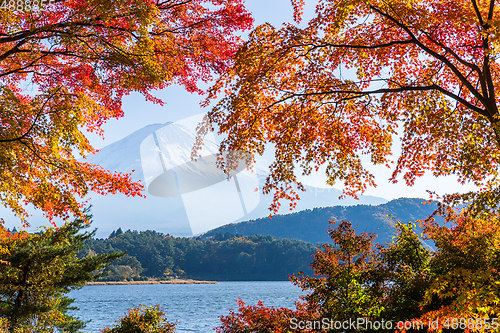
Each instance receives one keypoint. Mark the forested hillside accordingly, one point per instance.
(254, 253)
(310, 225)
(223, 257)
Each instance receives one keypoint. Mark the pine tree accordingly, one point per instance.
(37, 270)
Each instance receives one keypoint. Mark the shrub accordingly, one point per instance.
(142, 319)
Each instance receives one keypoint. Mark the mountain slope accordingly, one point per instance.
(310, 225)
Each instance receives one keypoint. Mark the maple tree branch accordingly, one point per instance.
(14, 50)
(436, 72)
(57, 29)
(436, 55)
(478, 13)
(34, 121)
(160, 4)
(178, 28)
(89, 46)
(487, 72)
(485, 78)
(453, 53)
(68, 53)
(382, 91)
(460, 88)
(489, 81)
(367, 47)
(89, 23)
(492, 8)
(20, 69)
(33, 150)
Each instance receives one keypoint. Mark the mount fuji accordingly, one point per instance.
(179, 211)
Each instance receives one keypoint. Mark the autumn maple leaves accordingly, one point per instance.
(83, 57)
(357, 74)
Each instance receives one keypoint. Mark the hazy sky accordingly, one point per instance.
(180, 104)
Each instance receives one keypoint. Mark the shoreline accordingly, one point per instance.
(174, 281)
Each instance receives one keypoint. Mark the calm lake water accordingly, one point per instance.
(196, 307)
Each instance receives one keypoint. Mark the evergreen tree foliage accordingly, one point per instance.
(151, 254)
(37, 270)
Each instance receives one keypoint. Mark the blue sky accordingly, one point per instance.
(181, 104)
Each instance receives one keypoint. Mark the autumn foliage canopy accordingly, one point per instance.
(361, 73)
(64, 70)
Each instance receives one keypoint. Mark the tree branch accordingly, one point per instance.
(34, 121)
(436, 55)
(385, 90)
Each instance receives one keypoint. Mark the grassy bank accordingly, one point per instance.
(173, 281)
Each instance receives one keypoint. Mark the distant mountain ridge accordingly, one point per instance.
(310, 225)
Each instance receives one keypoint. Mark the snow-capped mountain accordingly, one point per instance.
(183, 197)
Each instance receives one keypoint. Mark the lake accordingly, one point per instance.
(196, 307)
